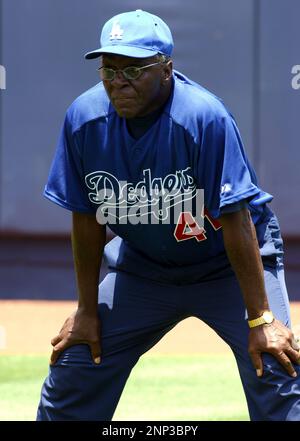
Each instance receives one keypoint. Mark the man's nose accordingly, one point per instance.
(119, 80)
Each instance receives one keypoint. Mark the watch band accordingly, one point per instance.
(266, 318)
(256, 322)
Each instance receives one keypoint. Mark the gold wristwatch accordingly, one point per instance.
(266, 318)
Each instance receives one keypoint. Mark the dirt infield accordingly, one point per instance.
(26, 327)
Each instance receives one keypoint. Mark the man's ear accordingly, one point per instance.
(167, 71)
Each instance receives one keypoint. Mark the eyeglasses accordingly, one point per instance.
(130, 72)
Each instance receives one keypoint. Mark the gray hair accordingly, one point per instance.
(163, 58)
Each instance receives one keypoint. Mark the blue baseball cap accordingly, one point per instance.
(137, 34)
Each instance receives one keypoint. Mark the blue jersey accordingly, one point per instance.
(194, 144)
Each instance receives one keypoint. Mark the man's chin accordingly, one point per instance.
(126, 113)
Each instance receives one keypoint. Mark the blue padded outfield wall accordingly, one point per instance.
(247, 52)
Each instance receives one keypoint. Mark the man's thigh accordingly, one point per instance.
(134, 315)
(275, 396)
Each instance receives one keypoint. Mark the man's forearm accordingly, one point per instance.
(88, 240)
(243, 252)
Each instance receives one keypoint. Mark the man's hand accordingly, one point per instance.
(79, 328)
(276, 339)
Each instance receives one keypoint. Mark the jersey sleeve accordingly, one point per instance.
(66, 184)
(224, 170)
(233, 208)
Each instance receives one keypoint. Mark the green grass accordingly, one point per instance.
(20, 383)
(161, 387)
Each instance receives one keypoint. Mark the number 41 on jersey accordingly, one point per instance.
(188, 228)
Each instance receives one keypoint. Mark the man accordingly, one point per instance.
(135, 150)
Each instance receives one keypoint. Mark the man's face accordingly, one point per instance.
(134, 98)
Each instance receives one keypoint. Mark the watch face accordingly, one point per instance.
(268, 317)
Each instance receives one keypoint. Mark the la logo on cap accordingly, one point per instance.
(116, 31)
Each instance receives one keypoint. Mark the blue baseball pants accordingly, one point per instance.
(135, 314)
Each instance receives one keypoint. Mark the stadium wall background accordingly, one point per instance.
(242, 51)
